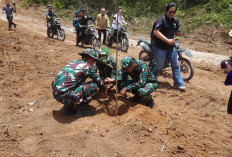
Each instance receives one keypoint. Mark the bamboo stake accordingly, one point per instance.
(117, 67)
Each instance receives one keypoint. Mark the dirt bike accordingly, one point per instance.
(122, 39)
(91, 37)
(55, 28)
(187, 70)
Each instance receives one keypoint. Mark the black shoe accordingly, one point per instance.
(15, 25)
(83, 106)
(68, 110)
(150, 103)
(135, 98)
(83, 111)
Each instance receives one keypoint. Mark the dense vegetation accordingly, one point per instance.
(142, 13)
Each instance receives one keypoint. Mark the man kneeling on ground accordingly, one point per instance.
(142, 83)
(70, 88)
(107, 67)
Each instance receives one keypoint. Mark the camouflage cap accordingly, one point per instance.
(104, 54)
(126, 62)
(90, 52)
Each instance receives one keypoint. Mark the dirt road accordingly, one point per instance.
(194, 123)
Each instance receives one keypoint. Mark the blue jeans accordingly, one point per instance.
(160, 57)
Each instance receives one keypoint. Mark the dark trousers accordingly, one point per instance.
(49, 26)
(229, 109)
(100, 31)
(10, 21)
(80, 34)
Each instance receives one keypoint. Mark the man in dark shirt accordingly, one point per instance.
(9, 14)
(50, 14)
(228, 81)
(82, 22)
(163, 32)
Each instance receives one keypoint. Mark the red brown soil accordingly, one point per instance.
(193, 123)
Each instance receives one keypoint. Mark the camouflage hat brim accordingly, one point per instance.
(126, 62)
(89, 54)
(84, 54)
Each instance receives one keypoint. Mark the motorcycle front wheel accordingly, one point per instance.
(186, 68)
(107, 40)
(124, 44)
(61, 34)
(96, 44)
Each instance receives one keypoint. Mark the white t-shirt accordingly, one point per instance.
(120, 19)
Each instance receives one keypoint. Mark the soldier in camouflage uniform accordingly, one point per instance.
(70, 88)
(107, 67)
(142, 83)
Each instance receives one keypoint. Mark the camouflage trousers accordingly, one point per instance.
(83, 93)
(144, 92)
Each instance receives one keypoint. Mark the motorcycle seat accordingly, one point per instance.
(148, 42)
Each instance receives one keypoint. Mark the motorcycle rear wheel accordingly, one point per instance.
(96, 44)
(186, 68)
(61, 34)
(145, 56)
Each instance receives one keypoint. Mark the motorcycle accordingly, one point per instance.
(55, 28)
(146, 55)
(122, 39)
(91, 37)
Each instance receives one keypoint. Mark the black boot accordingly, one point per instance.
(68, 109)
(84, 111)
(150, 103)
(135, 98)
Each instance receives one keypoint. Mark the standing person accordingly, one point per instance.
(142, 83)
(102, 23)
(120, 23)
(228, 81)
(76, 25)
(163, 33)
(9, 14)
(70, 86)
(50, 14)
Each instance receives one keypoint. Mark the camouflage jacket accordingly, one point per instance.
(74, 74)
(140, 75)
(108, 69)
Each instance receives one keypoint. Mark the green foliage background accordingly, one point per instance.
(142, 13)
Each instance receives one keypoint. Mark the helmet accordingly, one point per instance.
(90, 52)
(82, 10)
(126, 62)
(50, 6)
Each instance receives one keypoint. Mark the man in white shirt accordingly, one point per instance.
(121, 22)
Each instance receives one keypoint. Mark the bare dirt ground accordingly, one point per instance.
(194, 123)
